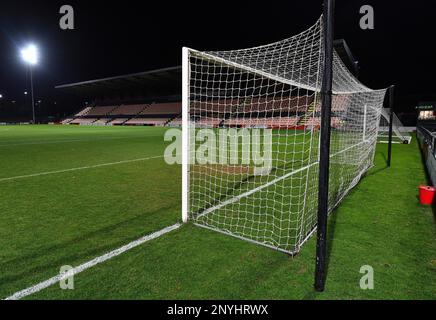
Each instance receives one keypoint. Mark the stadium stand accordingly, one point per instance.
(102, 121)
(147, 121)
(83, 121)
(316, 122)
(157, 114)
(215, 108)
(84, 112)
(101, 110)
(281, 104)
(119, 121)
(128, 110)
(313, 122)
(272, 123)
(111, 107)
(208, 122)
(67, 120)
(163, 109)
(176, 122)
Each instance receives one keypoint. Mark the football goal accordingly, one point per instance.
(252, 132)
(399, 132)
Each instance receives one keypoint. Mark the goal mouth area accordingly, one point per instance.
(253, 211)
(291, 249)
(291, 252)
(275, 87)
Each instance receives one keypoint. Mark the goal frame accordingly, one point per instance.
(326, 94)
(185, 134)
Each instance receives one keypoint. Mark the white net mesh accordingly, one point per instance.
(268, 100)
(399, 132)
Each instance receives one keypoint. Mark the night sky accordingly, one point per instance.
(133, 36)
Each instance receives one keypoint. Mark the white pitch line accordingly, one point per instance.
(47, 283)
(65, 141)
(78, 168)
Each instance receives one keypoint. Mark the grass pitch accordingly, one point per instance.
(54, 219)
(70, 217)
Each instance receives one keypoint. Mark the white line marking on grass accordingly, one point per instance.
(65, 141)
(47, 283)
(79, 168)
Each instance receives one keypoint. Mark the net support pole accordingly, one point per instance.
(391, 120)
(323, 193)
(185, 134)
(365, 111)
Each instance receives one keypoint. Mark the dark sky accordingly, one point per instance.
(113, 38)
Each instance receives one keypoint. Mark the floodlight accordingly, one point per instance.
(30, 54)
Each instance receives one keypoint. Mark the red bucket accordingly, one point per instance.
(426, 194)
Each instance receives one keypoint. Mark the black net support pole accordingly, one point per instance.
(391, 120)
(324, 157)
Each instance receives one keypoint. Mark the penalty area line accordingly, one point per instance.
(47, 283)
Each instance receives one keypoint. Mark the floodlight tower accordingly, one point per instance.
(30, 56)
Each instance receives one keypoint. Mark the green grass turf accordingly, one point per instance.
(72, 217)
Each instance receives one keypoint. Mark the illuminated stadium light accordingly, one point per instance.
(25, 93)
(30, 54)
(1, 96)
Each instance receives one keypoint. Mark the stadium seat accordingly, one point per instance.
(148, 121)
(163, 109)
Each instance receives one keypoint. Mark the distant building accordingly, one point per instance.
(426, 110)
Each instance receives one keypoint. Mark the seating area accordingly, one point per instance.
(340, 103)
(67, 120)
(128, 110)
(118, 121)
(102, 121)
(156, 114)
(313, 122)
(274, 113)
(208, 122)
(177, 122)
(100, 111)
(249, 105)
(215, 108)
(163, 109)
(83, 121)
(273, 123)
(277, 104)
(84, 112)
(147, 121)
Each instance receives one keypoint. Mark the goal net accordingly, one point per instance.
(399, 132)
(254, 127)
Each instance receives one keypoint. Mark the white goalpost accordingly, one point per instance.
(400, 134)
(251, 138)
